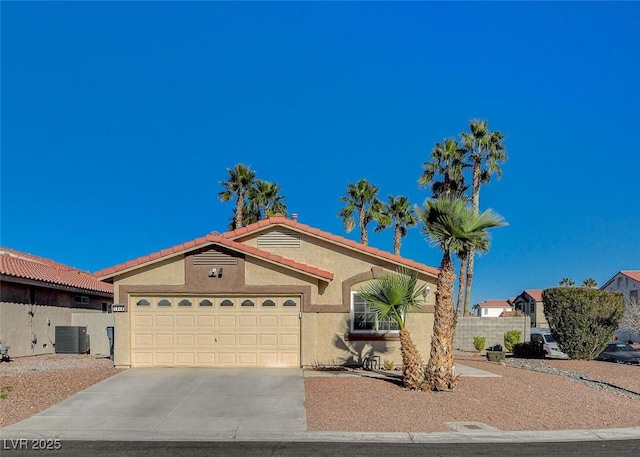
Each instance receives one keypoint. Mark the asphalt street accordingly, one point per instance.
(619, 448)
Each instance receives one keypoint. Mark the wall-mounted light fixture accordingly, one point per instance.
(212, 273)
(425, 292)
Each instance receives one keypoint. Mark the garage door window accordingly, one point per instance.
(206, 303)
(268, 303)
(143, 302)
(164, 303)
(184, 303)
(289, 303)
(226, 303)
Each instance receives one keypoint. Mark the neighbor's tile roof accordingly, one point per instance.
(260, 225)
(536, 294)
(228, 239)
(494, 304)
(22, 265)
(222, 241)
(633, 274)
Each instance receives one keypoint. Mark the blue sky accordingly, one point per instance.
(120, 119)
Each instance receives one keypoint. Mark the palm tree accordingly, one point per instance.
(447, 160)
(448, 223)
(241, 177)
(362, 199)
(590, 283)
(402, 215)
(392, 296)
(265, 201)
(566, 282)
(485, 152)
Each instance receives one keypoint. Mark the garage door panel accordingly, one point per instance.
(164, 339)
(142, 321)
(185, 339)
(247, 340)
(227, 359)
(185, 321)
(185, 358)
(268, 321)
(227, 321)
(247, 359)
(206, 340)
(143, 339)
(164, 358)
(247, 321)
(205, 321)
(216, 335)
(226, 339)
(164, 321)
(268, 340)
(289, 340)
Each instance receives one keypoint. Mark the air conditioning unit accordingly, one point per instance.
(71, 339)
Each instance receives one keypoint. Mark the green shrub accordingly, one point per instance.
(582, 319)
(511, 338)
(495, 356)
(479, 342)
(529, 350)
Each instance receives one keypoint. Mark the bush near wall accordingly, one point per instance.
(511, 338)
(582, 320)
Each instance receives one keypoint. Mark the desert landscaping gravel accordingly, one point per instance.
(525, 397)
(36, 383)
(528, 395)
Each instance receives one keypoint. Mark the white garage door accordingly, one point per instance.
(215, 331)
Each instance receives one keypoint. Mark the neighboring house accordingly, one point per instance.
(274, 293)
(627, 282)
(492, 308)
(38, 294)
(530, 303)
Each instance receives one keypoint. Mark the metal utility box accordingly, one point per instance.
(71, 339)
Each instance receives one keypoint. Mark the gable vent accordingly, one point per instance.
(214, 258)
(277, 239)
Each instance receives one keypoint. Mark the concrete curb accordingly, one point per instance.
(481, 436)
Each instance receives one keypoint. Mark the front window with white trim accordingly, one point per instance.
(364, 319)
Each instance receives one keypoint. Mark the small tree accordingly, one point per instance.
(581, 319)
(479, 342)
(511, 338)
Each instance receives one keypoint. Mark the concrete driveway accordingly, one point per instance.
(187, 402)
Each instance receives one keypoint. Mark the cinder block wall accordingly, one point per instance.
(492, 328)
(22, 324)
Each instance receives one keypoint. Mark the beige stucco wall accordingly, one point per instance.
(168, 272)
(324, 340)
(96, 323)
(18, 324)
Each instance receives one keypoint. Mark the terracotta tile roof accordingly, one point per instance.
(633, 274)
(536, 294)
(261, 225)
(22, 265)
(494, 304)
(221, 241)
(507, 314)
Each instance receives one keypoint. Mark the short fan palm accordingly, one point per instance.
(391, 296)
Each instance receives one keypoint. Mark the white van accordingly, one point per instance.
(549, 343)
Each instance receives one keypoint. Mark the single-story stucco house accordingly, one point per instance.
(274, 293)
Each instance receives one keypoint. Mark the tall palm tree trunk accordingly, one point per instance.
(475, 206)
(397, 239)
(413, 368)
(364, 238)
(462, 280)
(440, 373)
(239, 210)
(468, 280)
